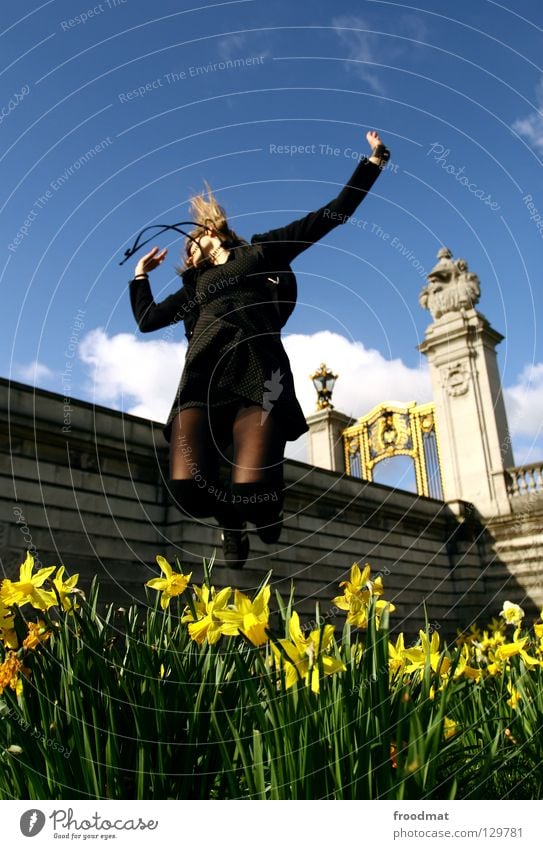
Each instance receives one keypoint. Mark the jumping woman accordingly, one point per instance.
(237, 391)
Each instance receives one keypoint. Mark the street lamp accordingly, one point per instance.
(324, 382)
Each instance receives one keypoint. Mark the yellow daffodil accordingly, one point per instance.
(508, 650)
(247, 617)
(171, 585)
(27, 590)
(488, 642)
(37, 633)
(305, 655)
(208, 605)
(450, 728)
(496, 626)
(360, 586)
(512, 613)
(469, 637)
(396, 655)
(427, 651)
(515, 696)
(357, 593)
(474, 631)
(7, 628)
(463, 667)
(10, 671)
(358, 611)
(66, 589)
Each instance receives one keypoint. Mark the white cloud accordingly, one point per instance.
(141, 376)
(231, 46)
(33, 373)
(365, 379)
(239, 47)
(370, 51)
(362, 47)
(528, 453)
(128, 373)
(524, 403)
(531, 126)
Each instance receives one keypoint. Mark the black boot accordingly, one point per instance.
(197, 502)
(235, 545)
(262, 503)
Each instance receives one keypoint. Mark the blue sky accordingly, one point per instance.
(145, 88)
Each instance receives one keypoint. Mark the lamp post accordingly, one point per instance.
(326, 425)
(324, 382)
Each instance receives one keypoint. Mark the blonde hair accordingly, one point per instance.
(205, 209)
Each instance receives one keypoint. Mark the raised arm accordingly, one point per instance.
(285, 243)
(148, 314)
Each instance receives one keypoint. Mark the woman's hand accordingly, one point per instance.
(374, 141)
(150, 261)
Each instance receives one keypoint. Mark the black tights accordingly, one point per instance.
(198, 442)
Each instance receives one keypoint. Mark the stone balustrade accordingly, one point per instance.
(525, 480)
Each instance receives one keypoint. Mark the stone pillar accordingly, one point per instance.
(325, 439)
(471, 423)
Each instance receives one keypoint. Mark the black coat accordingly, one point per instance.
(234, 312)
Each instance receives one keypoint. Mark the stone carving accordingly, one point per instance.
(451, 286)
(456, 378)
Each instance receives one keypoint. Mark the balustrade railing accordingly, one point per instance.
(525, 480)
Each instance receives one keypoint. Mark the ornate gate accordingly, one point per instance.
(392, 430)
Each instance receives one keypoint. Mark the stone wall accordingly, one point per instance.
(516, 543)
(91, 494)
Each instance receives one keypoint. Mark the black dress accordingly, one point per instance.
(233, 314)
